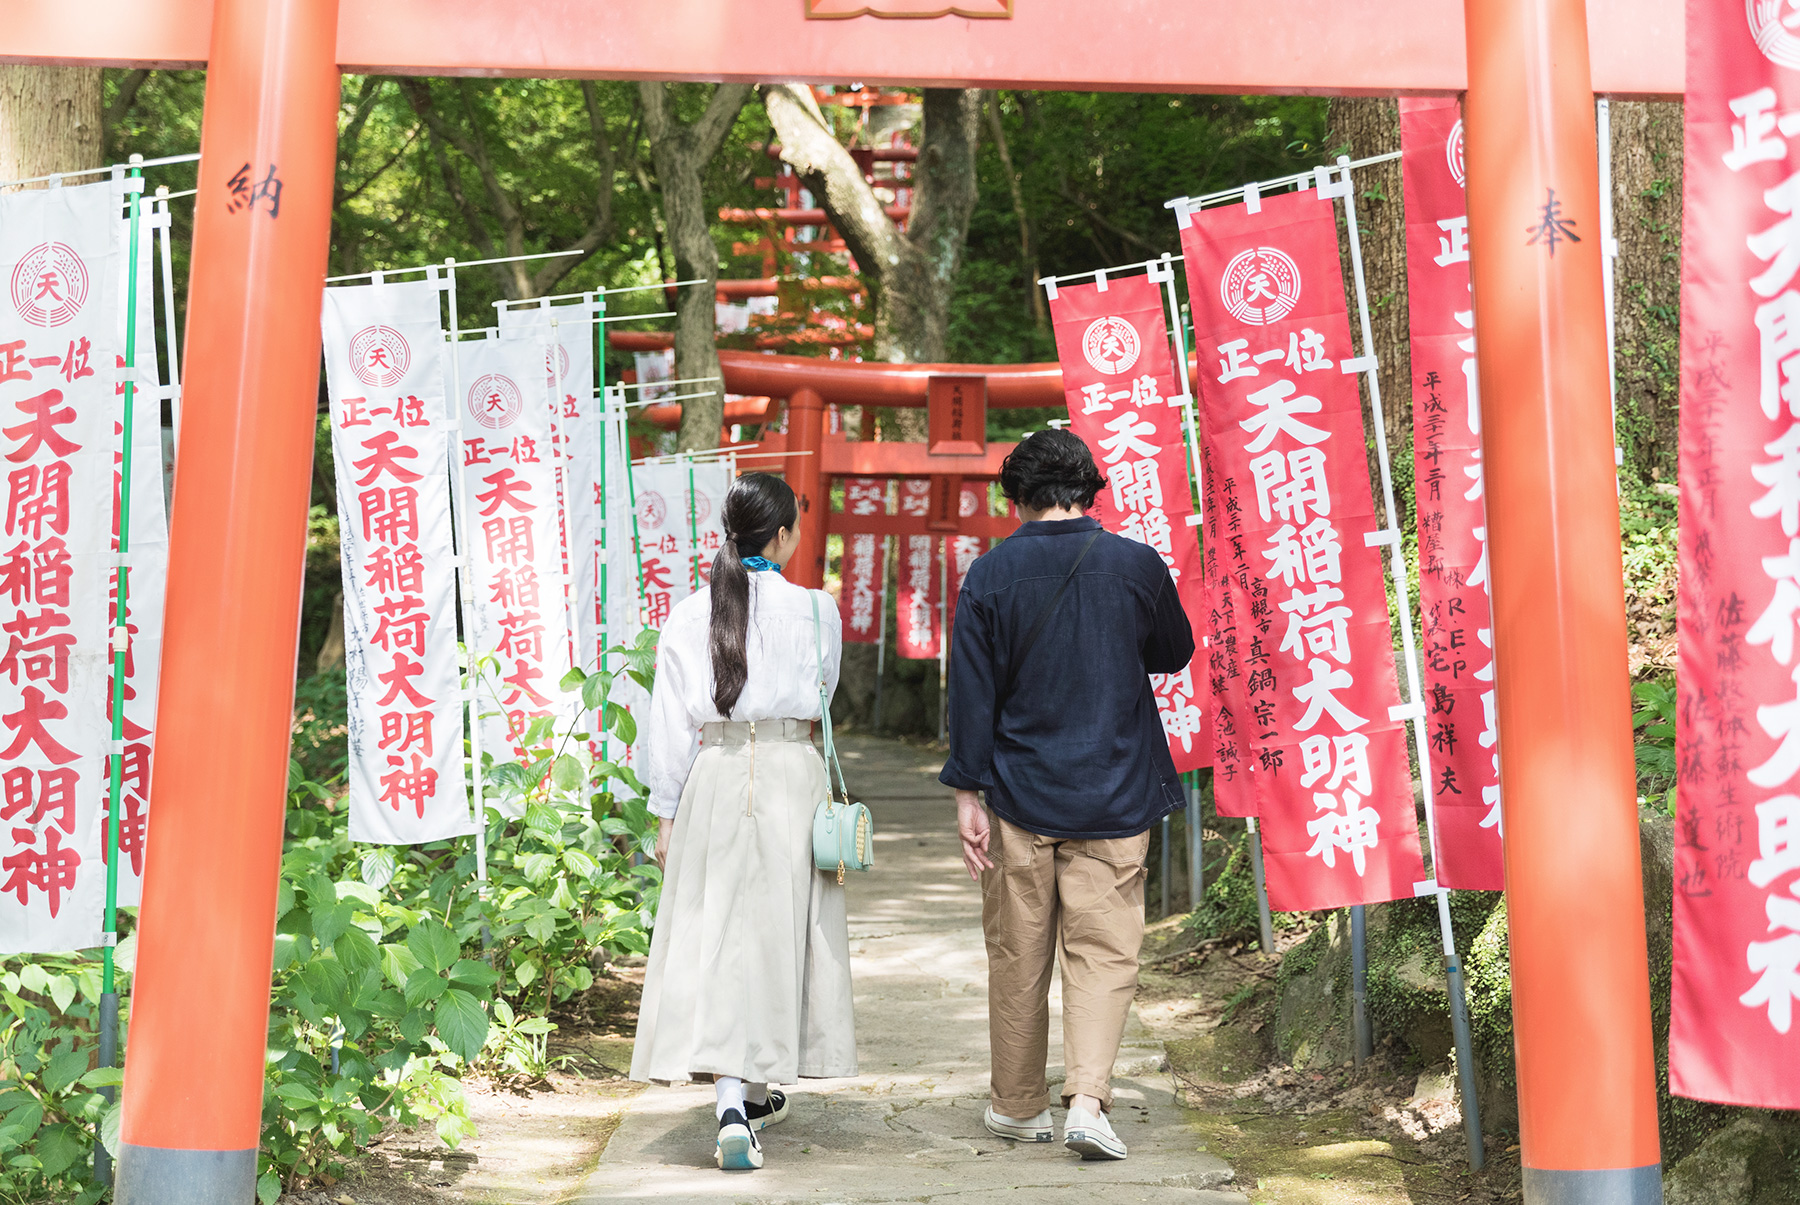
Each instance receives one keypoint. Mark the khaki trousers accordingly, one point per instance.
(1082, 898)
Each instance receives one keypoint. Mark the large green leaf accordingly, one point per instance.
(425, 986)
(469, 973)
(461, 1023)
(433, 944)
(65, 1069)
(567, 774)
(356, 950)
(595, 690)
(398, 963)
(573, 679)
(59, 1146)
(329, 923)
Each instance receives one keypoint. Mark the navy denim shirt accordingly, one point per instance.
(1077, 749)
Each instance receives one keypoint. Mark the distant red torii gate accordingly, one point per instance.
(812, 383)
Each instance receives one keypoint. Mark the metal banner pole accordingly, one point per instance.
(944, 639)
(1414, 708)
(133, 188)
(1359, 985)
(165, 232)
(1263, 918)
(465, 581)
(1165, 864)
(881, 640)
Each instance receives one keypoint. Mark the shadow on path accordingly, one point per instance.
(909, 1128)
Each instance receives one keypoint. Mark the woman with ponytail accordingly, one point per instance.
(748, 983)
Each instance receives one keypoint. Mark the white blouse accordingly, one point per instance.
(783, 681)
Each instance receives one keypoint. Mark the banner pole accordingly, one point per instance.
(560, 438)
(1264, 920)
(693, 510)
(637, 539)
(944, 638)
(881, 638)
(165, 233)
(1415, 705)
(133, 187)
(605, 505)
(1196, 843)
(465, 574)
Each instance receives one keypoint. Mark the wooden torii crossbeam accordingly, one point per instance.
(1531, 69)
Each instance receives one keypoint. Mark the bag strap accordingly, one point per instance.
(1043, 617)
(831, 757)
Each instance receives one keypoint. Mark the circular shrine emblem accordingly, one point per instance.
(1260, 286)
(1773, 25)
(556, 364)
(379, 356)
(699, 506)
(494, 401)
(652, 510)
(1110, 345)
(1453, 151)
(49, 284)
(969, 504)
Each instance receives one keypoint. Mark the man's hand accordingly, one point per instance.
(664, 827)
(972, 827)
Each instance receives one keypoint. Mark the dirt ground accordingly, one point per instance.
(1387, 1135)
(537, 1142)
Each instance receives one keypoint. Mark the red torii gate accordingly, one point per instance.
(1581, 1007)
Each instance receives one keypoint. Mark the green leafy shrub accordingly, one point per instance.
(395, 973)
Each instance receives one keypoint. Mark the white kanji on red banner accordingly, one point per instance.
(1313, 644)
(391, 436)
(1736, 978)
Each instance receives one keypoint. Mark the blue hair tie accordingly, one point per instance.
(761, 563)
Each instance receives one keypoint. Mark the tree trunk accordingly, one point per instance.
(1371, 126)
(681, 153)
(50, 120)
(1646, 164)
(912, 275)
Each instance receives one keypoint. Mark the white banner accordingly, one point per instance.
(149, 576)
(391, 433)
(680, 532)
(517, 614)
(59, 259)
(569, 371)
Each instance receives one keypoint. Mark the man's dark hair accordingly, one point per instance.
(1051, 469)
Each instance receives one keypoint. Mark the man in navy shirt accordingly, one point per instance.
(1053, 718)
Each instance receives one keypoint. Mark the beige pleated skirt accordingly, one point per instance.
(749, 971)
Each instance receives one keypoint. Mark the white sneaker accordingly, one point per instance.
(1091, 1136)
(1031, 1129)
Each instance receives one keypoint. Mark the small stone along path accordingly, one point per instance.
(909, 1127)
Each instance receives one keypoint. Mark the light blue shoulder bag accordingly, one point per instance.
(843, 832)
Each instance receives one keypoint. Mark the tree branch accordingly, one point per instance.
(715, 124)
(127, 96)
(1039, 314)
(835, 179)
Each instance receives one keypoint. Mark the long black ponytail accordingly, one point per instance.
(756, 509)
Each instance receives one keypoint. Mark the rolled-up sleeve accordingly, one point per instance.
(672, 741)
(972, 698)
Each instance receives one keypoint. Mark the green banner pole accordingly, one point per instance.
(109, 994)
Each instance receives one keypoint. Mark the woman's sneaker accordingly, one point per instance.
(739, 1151)
(1091, 1136)
(762, 1116)
(1030, 1129)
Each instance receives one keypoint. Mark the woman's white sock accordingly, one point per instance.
(756, 1094)
(731, 1094)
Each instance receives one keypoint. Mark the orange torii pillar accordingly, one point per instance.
(1581, 990)
(200, 1000)
(806, 474)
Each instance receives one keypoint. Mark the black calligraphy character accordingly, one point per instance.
(1552, 226)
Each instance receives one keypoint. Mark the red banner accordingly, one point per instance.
(1314, 644)
(1732, 1036)
(1452, 512)
(1119, 379)
(865, 563)
(918, 607)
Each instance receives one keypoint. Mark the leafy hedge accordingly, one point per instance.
(395, 973)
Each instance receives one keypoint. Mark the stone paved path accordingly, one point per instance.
(909, 1128)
